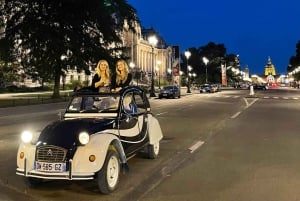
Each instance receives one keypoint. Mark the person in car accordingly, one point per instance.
(122, 77)
(129, 105)
(101, 80)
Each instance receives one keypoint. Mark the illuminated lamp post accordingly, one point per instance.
(169, 75)
(132, 66)
(187, 55)
(153, 41)
(205, 60)
(158, 72)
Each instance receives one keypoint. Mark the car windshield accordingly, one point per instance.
(169, 87)
(94, 104)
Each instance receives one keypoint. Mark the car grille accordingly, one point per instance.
(50, 153)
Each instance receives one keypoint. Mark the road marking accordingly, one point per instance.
(235, 115)
(196, 146)
(161, 113)
(249, 104)
(246, 102)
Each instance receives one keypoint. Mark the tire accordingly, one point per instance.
(109, 175)
(33, 182)
(153, 150)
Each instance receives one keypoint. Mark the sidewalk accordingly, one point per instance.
(18, 95)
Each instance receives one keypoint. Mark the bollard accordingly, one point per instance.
(251, 90)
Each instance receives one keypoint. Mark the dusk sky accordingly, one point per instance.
(253, 29)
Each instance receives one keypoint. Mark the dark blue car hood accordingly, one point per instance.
(64, 133)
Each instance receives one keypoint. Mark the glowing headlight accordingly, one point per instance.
(26, 136)
(84, 138)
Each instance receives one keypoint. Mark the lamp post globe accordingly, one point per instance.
(187, 55)
(153, 41)
(205, 61)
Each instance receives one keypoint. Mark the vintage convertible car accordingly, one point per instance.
(93, 139)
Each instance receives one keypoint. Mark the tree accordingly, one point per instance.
(214, 53)
(8, 71)
(48, 35)
(295, 62)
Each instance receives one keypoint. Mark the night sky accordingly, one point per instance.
(253, 29)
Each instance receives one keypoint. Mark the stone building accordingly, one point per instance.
(270, 72)
(139, 51)
(141, 55)
(270, 68)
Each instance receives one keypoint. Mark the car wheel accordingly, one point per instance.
(33, 182)
(108, 176)
(153, 150)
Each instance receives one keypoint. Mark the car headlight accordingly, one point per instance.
(26, 136)
(84, 138)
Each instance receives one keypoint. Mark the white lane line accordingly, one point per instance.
(161, 113)
(196, 146)
(249, 104)
(235, 115)
(246, 102)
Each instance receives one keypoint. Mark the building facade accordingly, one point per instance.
(142, 56)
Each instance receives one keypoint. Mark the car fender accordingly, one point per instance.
(154, 130)
(98, 146)
(28, 152)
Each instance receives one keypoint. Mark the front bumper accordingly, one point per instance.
(67, 175)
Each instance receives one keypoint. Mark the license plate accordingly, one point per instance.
(50, 167)
(165, 94)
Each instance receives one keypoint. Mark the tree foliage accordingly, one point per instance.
(295, 62)
(46, 36)
(216, 54)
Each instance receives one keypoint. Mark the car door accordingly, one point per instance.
(132, 127)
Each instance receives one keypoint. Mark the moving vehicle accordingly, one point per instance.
(171, 91)
(94, 138)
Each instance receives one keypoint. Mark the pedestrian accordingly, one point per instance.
(122, 76)
(101, 80)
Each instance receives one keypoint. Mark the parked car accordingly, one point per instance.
(169, 92)
(260, 86)
(94, 138)
(214, 88)
(206, 88)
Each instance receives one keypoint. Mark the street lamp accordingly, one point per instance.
(153, 41)
(187, 55)
(205, 60)
(169, 75)
(190, 68)
(158, 72)
(132, 66)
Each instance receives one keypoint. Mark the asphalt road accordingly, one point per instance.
(222, 146)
